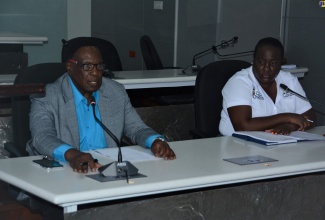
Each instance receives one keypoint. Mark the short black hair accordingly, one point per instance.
(70, 47)
(269, 41)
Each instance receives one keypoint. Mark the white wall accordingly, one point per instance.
(78, 18)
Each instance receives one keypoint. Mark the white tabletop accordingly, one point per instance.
(199, 164)
(298, 71)
(19, 38)
(140, 79)
(137, 79)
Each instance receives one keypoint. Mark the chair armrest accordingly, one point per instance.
(14, 150)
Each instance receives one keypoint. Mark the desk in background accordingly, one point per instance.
(142, 79)
(137, 79)
(12, 56)
(198, 172)
(146, 87)
(7, 37)
(299, 72)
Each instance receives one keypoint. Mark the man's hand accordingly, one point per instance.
(161, 149)
(80, 161)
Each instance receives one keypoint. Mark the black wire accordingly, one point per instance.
(109, 132)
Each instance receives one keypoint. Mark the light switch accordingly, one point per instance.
(158, 5)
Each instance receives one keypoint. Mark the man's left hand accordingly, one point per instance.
(161, 149)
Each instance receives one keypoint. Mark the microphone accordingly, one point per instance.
(116, 169)
(196, 68)
(286, 89)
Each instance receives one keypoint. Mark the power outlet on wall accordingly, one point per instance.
(132, 53)
(158, 5)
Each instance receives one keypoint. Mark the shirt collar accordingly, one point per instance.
(78, 98)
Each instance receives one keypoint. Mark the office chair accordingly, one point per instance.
(150, 55)
(208, 98)
(108, 51)
(39, 73)
(153, 62)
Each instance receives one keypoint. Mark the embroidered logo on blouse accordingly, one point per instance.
(286, 94)
(256, 94)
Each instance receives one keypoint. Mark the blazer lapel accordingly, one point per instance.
(70, 112)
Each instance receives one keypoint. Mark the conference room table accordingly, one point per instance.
(137, 79)
(143, 79)
(199, 165)
(7, 37)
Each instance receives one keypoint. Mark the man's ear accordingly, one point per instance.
(68, 66)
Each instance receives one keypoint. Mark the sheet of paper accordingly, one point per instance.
(300, 135)
(128, 154)
(289, 66)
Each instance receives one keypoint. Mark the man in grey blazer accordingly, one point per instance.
(62, 123)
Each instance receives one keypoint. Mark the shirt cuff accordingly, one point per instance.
(152, 138)
(59, 152)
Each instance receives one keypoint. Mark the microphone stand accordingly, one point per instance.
(195, 68)
(214, 49)
(115, 169)
(225, 56)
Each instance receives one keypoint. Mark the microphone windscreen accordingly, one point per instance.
(284, 87)
(93, 101)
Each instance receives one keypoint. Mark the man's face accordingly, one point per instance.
(86, 81)
(267, 64)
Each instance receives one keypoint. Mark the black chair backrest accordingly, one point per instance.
(109, 53)
(39, 73)
(150, 54)
(208, 98)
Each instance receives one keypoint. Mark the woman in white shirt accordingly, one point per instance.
(254, 101)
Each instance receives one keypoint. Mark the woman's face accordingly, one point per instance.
(267, 64)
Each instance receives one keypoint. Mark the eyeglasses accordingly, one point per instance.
(90, 66)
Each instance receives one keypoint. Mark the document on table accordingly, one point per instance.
(267, 138)
(128, 154)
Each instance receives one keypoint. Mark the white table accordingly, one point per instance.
(199, 164)
(297, 72)
(141, 79)
(137, 79)
(19, 38)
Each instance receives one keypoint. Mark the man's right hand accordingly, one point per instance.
(80, 161)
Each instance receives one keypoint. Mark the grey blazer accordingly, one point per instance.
(53, 118)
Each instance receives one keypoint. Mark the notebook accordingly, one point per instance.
(267, 138)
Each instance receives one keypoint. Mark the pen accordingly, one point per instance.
(87, 163)
(310, 120)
